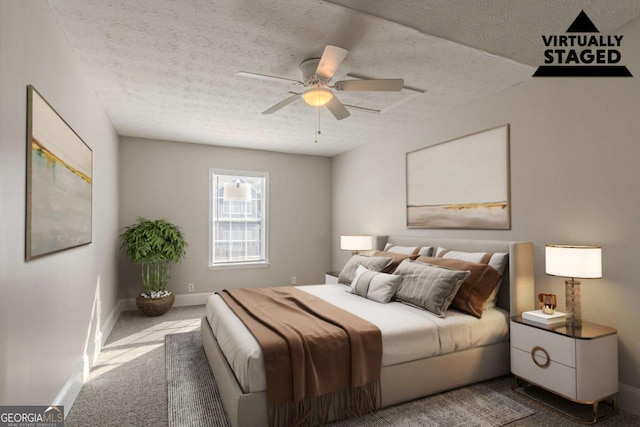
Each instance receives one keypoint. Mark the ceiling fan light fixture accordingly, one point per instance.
(317, 96)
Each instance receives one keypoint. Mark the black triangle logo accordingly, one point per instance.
(582, 24)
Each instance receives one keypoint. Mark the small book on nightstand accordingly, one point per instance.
(547, 319)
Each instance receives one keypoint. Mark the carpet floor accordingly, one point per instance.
(128, 384)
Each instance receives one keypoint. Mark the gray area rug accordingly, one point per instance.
(475, 405)
(576, 411)
(193, 397)
(194, 400)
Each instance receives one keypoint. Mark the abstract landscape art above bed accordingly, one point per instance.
(461, 183)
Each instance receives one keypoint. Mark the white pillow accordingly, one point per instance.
(373, 285)
(408, 250)
(405, 250)
(425, 251)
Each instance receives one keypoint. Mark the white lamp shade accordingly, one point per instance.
(581, 262)
(237, 191)
(356, 243)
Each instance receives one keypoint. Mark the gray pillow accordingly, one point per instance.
(373, 285)
(428, 286)
(375, 263)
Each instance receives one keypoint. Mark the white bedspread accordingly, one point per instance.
(408, 333)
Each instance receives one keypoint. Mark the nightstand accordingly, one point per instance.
(579, 365)
(331, 277)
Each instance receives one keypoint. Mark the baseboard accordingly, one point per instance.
(110, 322)
(629, 399)
(71, 388)
(182, 300)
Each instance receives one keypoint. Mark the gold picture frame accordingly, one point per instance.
(461, 183)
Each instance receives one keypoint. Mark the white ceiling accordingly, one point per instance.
(165, 69)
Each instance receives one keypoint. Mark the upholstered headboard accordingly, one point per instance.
(517, 289)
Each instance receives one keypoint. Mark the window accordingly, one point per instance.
(239, 226)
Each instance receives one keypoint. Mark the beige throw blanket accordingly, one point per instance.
(320, 360)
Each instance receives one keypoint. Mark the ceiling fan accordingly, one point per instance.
(317, 74)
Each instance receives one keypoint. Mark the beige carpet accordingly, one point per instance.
(127, 386)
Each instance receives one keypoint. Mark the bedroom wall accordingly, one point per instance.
(574, 179)
(52, 309)
(161, 179)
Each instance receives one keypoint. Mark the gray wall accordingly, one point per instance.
(160, 179)
(50, 308)
(575, 150)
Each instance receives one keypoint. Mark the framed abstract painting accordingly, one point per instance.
(461, 183)
(59, 182)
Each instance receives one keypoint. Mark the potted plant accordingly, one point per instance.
(153, 245)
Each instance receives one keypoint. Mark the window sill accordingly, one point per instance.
(239, 265)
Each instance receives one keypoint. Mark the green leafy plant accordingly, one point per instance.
(153, 244)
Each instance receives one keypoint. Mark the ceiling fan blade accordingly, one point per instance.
(331, 59)
(266, 77)
(337, 109)
(370, 85)
(282, 103)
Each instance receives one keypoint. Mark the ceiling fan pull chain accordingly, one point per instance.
(317, 125)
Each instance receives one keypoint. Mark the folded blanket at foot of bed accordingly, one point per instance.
(318, 357)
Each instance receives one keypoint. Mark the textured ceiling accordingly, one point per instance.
(165, 69)
(507, 28)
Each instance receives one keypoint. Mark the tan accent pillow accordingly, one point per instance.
(475, 289)
(397, 259)
(496, 260)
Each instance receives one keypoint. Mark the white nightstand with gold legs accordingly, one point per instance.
(579, 365)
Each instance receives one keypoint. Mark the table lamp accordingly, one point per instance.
(356, 243)
(574, 262)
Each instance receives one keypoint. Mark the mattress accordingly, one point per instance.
(408, 333)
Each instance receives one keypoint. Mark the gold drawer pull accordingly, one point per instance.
(546, 353)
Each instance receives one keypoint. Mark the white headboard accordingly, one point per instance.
(517, 290)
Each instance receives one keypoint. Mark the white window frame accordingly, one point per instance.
(264, 262)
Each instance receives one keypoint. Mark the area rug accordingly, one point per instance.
(583, 413)
(475, 405)
(194, 399)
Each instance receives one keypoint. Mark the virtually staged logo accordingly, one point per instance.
(582, 52)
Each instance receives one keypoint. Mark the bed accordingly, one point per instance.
(474, 356)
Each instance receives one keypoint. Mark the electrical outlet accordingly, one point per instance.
(293, 280)
(192, 287)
